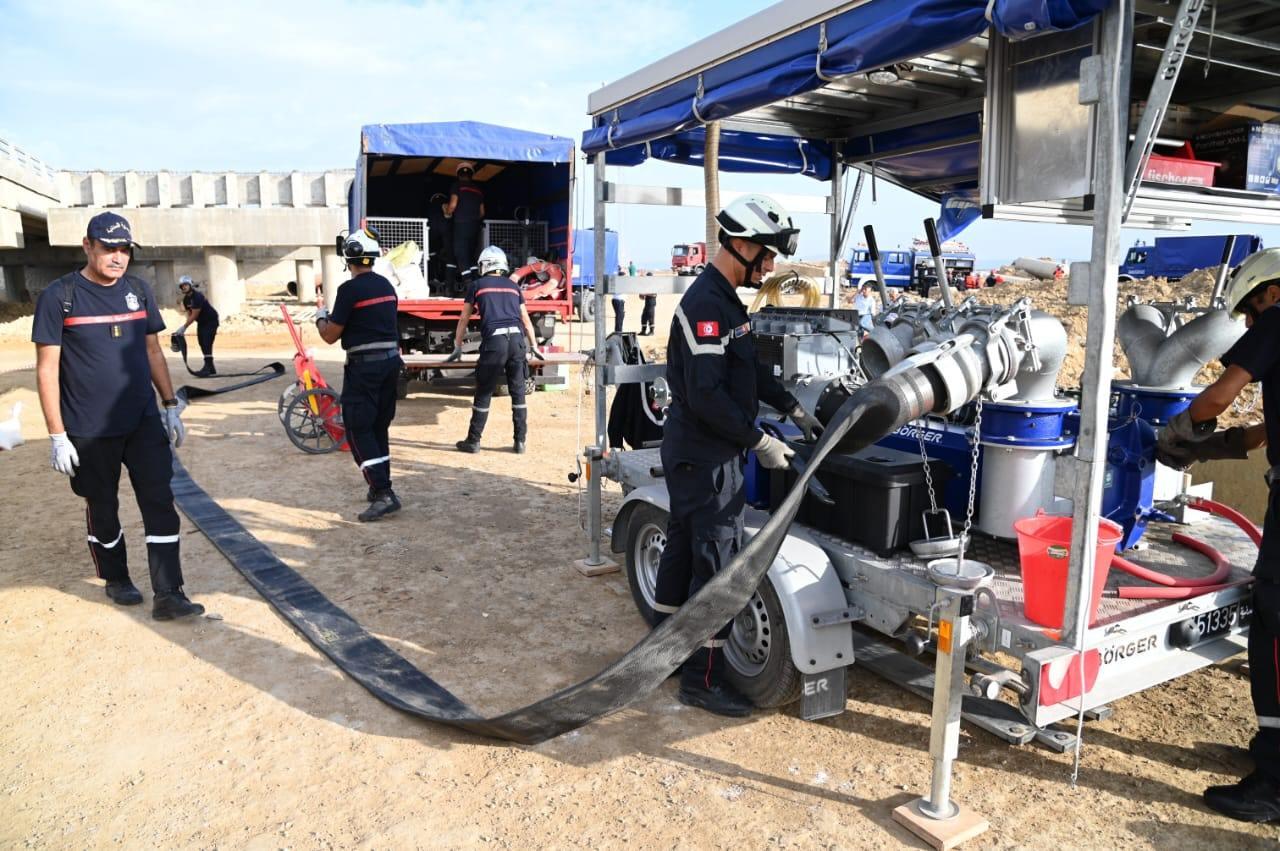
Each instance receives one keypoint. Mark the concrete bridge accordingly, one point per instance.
(222, 228)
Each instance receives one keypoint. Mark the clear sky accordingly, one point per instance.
(277, 85)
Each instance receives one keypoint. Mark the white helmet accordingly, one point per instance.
(1260, 269)
(185, 280)
(493, 259)
(361, 248)
(762, 220)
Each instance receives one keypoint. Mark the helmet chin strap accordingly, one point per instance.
(751, 266)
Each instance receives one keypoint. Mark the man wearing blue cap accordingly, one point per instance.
(97, 358)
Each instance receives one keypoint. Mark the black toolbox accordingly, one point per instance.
(880, 495)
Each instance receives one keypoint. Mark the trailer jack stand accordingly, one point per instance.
(935, 818)
(595, 564)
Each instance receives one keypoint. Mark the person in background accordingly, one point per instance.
(465, 209)
(647, 313)
(201, 312)
(364, 318)
(97, 359)
(865, 303)
(1192, 436)
(631, 269)
(991, 278)
(619, 311)
(440, 265)
(504, 329)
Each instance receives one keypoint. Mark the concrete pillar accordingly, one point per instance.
(135, 194)
(299, 190)
(306, 278)
(223, 275)
(333, 271)
(164, 190)
(166, 283)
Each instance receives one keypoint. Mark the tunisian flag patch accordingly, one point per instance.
(708, 329)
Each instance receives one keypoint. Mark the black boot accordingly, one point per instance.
(518, 447)
(170, 605)
(206, 370)
(703, 684)
(468, 446)
(124, 593)
(1256, 798)
(371, 495)
(384, 503)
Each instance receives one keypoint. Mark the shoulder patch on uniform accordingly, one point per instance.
(707, 329)
(742, 330)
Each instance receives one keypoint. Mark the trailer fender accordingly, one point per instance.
(655, 495)
(802, 575)
(808, 588)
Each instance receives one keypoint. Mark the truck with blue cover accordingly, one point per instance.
(1174, 257)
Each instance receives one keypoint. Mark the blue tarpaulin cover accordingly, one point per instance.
(861, 39)
(466, 140)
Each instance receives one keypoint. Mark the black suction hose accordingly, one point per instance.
(864, 416)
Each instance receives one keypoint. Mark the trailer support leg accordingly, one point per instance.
(595, 563)
(936, 818)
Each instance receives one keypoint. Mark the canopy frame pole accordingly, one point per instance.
(595, 453)
(837, 227)
(1108, 88)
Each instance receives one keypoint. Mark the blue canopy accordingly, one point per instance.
(466, 140)
(871, 36)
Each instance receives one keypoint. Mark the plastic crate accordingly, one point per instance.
(1179, 171)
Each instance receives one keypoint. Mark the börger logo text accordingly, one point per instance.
(1121, 652)
(917, 433)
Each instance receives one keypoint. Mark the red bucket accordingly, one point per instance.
(1044, 549)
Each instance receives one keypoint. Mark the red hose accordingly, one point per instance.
(1226, 511)
(1222, 567)
(1135, 592)
(1179, 588)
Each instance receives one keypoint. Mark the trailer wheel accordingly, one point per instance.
(758, 652)
(587, 307)
(646, 538)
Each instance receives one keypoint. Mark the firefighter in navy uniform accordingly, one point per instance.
(201, 312)
(717, 383)
(465, 209)
(507, 339)
(363, 317)
(1254, 291)
(97, 358)
(440, 265)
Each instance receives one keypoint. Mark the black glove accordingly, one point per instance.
(456, 354)
(1181, 430)
(1219, 445)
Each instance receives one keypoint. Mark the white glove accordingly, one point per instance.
(322, 313)
(171, 419)
(62, 454)
(773, 453)
(182, 329)
(806, 422)
(11, 429)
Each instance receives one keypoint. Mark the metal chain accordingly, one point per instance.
(973, 475)
(928, 473)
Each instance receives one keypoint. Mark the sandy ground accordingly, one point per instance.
(235, 732)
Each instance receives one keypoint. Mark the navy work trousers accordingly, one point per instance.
(204, 336)
(501, 356)
(368, 407)
(146, 454)
(704, 530)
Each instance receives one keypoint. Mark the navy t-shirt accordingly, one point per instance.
(470, 199)
(498, 299)
(104, 374)
(1258, 353)
(366, 308)
(195, 300)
